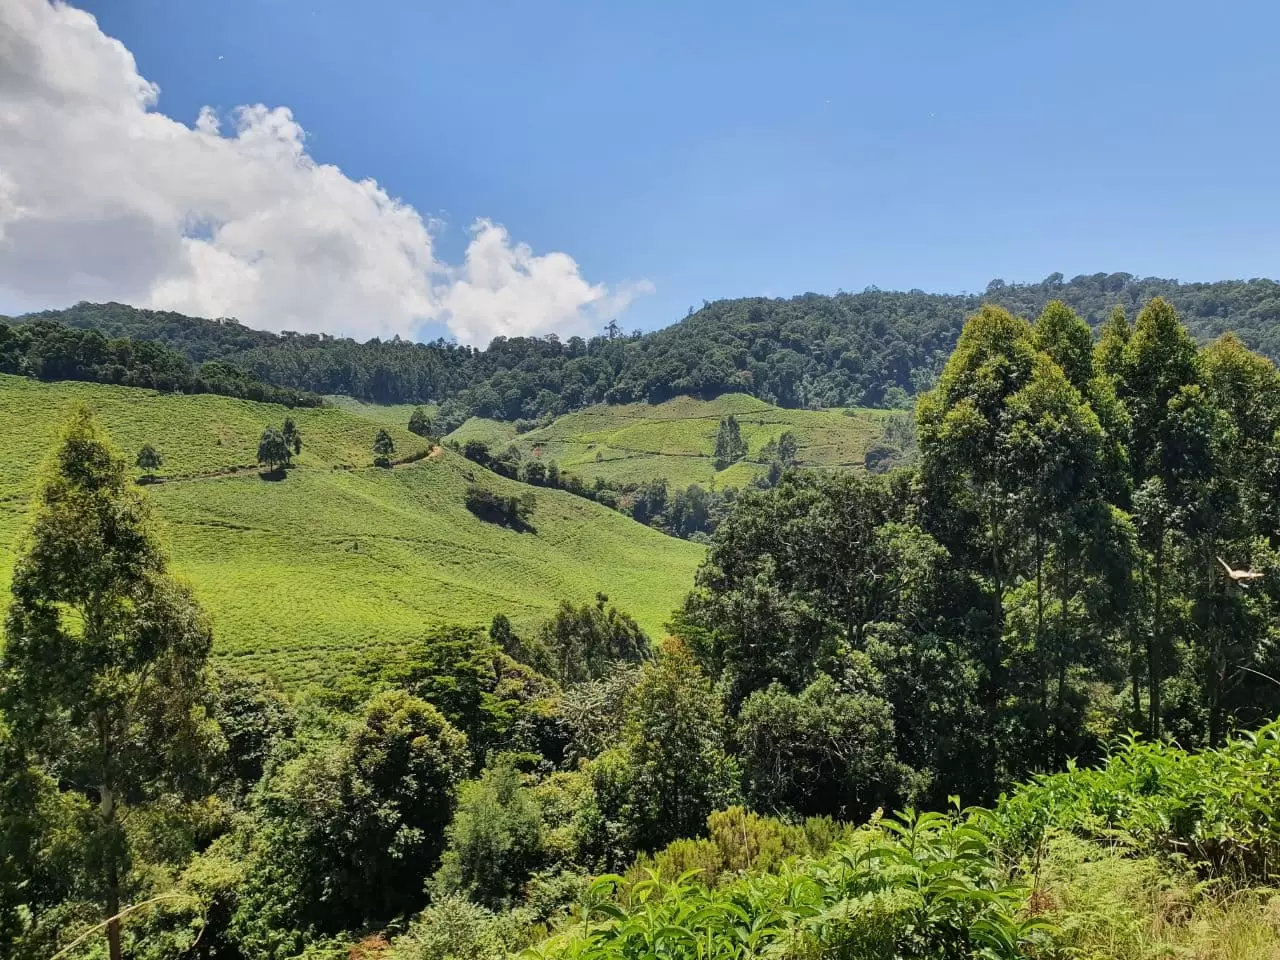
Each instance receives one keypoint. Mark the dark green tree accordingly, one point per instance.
(674, 763)
(788, 448)
(828, 750)
(535, 472)
(420, 423)
(792, 573)
(730, 446)
(149, 459)
(1067, 339)
(1169, 455)
(255, 717)
(384, 448)
(586, 642)
(102, 681)
(498, 703)
(350, 829)
(690, 511)
(1113, 339)
(494, 843)
(292, 437)
(273, 452)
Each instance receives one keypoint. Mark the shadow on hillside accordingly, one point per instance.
(502, 520)
(273, 476)
(503, 511)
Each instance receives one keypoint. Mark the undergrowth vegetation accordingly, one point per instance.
(1157, 852)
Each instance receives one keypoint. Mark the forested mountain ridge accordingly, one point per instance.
(873, 348)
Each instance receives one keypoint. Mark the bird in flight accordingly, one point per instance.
(1239, 576)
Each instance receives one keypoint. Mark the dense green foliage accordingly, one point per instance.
(929, 887)
(1219, 809)
(347, 823)
(384, 448)
(513, 509)
(730, 447)
(1049, 577)
(587, 641)
(1001, 883)
(872, 348)
(47, 350)
(149, 459)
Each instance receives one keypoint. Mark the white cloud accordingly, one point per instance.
(504, 288)
(103, 197)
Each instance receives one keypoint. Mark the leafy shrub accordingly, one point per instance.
(454, 928)
(740, 841)
(350, 829)
(254, 715)
(1219, 809)
(881, 458)
(926, 886)
(501, 705)
(826, 750)
(420, 423)
(594, 710)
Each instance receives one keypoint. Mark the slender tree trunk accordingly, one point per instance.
(113, 907)
(1064, 638)
(995, 680)
(1217, 679)
(1217, 667)
(1135, 655)
(1042, 660)
(107, 813)
(1155, 642)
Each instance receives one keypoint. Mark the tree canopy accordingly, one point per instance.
(871, 348)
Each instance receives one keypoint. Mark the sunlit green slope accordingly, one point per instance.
(637, 442)
(304, 575)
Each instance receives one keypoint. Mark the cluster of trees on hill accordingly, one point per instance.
(1049, 576)
(46, 350)
(278, 447)
(1052, 574)
(874, 348)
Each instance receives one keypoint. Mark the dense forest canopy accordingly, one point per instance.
(46, 350)
(872, 348)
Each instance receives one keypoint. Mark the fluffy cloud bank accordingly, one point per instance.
(102, 197)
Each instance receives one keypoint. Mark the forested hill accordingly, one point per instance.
(871, 348)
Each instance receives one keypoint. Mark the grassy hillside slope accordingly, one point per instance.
(637, 442)
(304, 575)
(383, 414)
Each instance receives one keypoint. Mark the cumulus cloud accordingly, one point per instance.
(503, 288)
(104, 197)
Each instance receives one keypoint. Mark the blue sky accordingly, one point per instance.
(729, 149)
